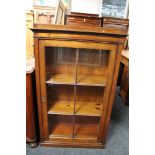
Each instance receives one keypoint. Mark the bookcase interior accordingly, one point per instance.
(63, 126)
(76, 66)
(81, 100)
(75, 85)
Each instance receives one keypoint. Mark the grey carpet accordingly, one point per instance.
(117, 141)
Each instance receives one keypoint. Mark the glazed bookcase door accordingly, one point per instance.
(75, 83)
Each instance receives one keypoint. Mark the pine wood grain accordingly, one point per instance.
(85, 80)
(91, 80)
(61, 107)
(61, 79)
(81, 108)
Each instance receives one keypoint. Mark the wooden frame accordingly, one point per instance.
(60, 13)
(93, 131)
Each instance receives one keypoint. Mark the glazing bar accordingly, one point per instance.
(75, 90)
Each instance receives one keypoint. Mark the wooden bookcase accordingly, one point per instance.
(76, 74)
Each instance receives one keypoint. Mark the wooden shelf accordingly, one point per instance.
(88, 108)
(84, 80)
(62, 126)
(82, 108)
(61, 107)
(92, 80)
(61, 79)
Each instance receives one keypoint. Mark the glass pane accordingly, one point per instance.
(86, 127)
(89, 57)
(60, 99)
(60, 65)
(60, 126)
(60, 80)
(75, 77)
(92, 67)
(89, 100)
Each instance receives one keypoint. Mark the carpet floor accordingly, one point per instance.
(117, 141)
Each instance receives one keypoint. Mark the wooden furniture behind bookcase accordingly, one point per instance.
(124, 87)
(116, 23)
(110, 22)
(44, 14)
(29, 34)
(76, 74)
(120, 23)
(83, 19)
(31, 111)
(50, 14)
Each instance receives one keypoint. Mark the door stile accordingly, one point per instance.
(75, 90)
(37, 77)
(112, 91)
(111, 67)
(43, 88)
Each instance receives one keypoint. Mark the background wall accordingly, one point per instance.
(114, 8)
(86, 6)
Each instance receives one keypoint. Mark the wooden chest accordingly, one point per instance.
(120, 23)
(83, 19)
(115, 22)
